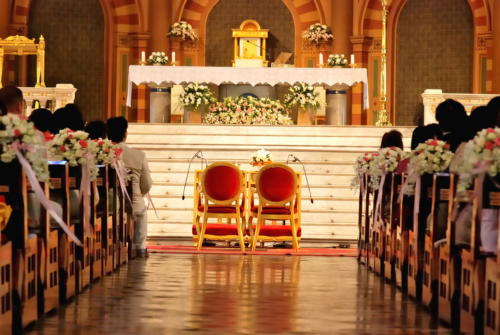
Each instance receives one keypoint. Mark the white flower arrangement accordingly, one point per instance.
(183, 30)
(386, 161)
(303, 96)
(317, 33)
(362, 166)
(76, 148)
(430, 156)
(107, 151)
(482, 155)
(247, 110)
(23, 135)
(158, 58)
(337, 60)
(261, 157)
(196, 95)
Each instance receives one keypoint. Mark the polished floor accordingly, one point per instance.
(228, 294)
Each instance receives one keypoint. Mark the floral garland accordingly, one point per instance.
(22, 135)
(183, 30)
(302, 95)
(158, 58)
(482, 155)
(247, 110)
(337, 60)
(362, 166)
(261, 157)
(386, 161)
(76, 148)
(317, 33)
(107, 151)
(195, 95)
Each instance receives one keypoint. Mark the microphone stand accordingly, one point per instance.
(296, 159)
(196, 155)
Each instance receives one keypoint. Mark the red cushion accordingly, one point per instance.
(275, 230)
(276, 184)
(218, 229)
(273, 210)
(2, 199)
(219, 209)
(222, 182)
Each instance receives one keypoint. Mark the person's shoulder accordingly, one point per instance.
(134, 152)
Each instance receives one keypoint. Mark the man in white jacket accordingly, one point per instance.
(137, 167)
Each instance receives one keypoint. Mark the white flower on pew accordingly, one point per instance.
(107, 151)
(362, 166)
(21, 134)
(386, 161)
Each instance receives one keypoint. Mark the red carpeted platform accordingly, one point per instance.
(184, 249)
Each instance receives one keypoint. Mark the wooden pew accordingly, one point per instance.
(123, 224)
(105, 206)
(115, 216)
(492, 284)
(6, 288)
(60, 181)
(13, 186)
(363, 222)
(449, 268)
(371, 228)
(96, 218)
(402, 242)
(380, 228)
(391, 228)
(416, 238)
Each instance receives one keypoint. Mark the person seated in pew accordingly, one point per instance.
(12, 98)
(67, 117)
(42, 119)
(137, 166)
(96, 129)
(3, 109)
(453, 121)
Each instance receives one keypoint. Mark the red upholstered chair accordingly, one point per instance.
(223, 187)
(279, 199)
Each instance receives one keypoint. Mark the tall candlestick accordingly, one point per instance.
(173, 57)
(320, 58)
(143, 57)
(352, 59)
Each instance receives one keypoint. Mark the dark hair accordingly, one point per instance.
(450, 114)
(117, 128)
(42, 119)
(68, 117)
(10, 95)
(494, 108)
(481, 118)
(3, 109)
(96, 129)
(392, 138)
(424, 133)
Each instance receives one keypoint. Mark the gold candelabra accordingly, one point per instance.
(382, 116)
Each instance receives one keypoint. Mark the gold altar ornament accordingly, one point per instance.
(250, 44)
(383, 118)
(21, 46)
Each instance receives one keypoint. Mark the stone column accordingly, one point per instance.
(336, 106)
(496, 46)
(159, 105)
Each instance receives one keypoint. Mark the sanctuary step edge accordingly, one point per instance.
(328, 154)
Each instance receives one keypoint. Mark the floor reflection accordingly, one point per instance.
(227, 294)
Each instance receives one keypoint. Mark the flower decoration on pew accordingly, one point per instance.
(362, 166)
(107, 151)
(196, 95)
(302, 96)
(261, 157)
(317, 33)
(247, 110)
(76, 148)
(386, 161)
(20, 135)
(431, 156)
(482, 155)
(337, 60)
(158, 58)
(183, 30)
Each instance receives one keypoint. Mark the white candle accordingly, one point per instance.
(143, 57)
(173, 57)
(320, 58)
(352, 58)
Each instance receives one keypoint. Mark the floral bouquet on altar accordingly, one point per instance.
(20, 136)
(337, 60)
(196, 95)
(158, 58)
(317, 33)
(76, 148)
(303, 96)
(386, 161)
(183, 30)
(261, 157)
(247, 110)
(362, 166)
(107, 151)
(482, 155)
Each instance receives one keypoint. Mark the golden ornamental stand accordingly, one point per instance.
(21, 46)
(382, 117)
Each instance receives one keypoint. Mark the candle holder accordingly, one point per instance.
(353, 66)
(321, 66)
(142, 63)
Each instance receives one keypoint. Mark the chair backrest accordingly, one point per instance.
(277, 184)
(222, 183)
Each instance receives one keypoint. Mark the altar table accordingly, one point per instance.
(335, 80)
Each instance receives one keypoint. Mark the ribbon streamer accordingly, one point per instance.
(150, 202)
(85, 193)
(35, 186)
(120, 172)
(379, 199)
(416, 204)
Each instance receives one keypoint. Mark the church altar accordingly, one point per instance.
(335, 80)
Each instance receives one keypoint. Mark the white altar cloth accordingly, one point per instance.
(175, 75)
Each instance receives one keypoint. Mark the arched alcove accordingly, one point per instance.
(434, 49)
(226, 14)
(74, 35)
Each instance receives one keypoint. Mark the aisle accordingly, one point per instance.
(222, 294)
